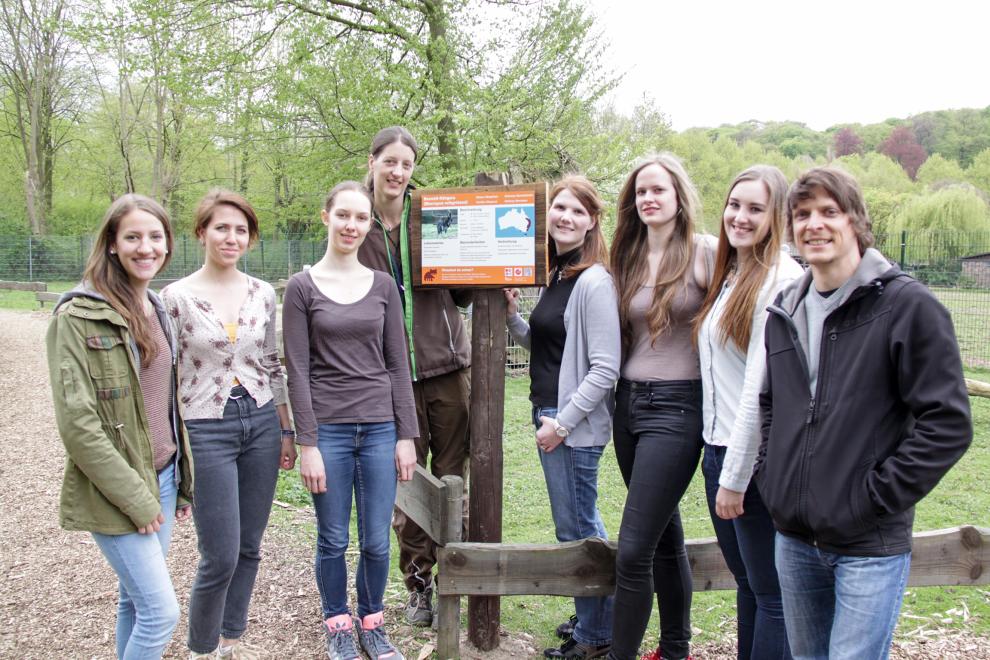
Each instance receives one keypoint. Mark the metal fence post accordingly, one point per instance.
(903, 246)
(30, 261)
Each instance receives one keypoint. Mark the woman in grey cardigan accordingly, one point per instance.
(574, 341)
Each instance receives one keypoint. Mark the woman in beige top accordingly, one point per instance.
(232, 398)
(661, 270)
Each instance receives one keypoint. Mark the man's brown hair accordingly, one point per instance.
(841, 187)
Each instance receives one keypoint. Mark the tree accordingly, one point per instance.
(978, 173)
(937, 171)
(847, 142)
(35, 54)
(518, 93)
(874, 170)
(943, 226)
(902, 146)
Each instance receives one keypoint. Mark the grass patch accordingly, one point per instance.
(970, 309)
(26, 300)
(959, 499)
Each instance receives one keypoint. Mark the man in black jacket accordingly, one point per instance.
(864, 410)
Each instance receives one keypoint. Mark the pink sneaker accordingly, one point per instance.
(374, 640)
(340, 638)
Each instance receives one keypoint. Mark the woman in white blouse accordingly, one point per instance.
(750, 270)
(232, 398)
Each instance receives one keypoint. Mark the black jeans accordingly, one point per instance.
(657, 445)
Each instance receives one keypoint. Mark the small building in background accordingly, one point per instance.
(976, 269)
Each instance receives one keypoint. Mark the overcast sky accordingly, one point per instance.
(710, 62)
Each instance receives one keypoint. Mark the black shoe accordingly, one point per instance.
(575, 650)
(566, 629)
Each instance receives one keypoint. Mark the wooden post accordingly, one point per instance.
(487, 401)
(449, 607)
(487, 412)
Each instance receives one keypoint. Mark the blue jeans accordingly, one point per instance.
(147, 610)
(236, 460)
(747, 544)
(358, 458)
(571, 474)
(657, 446)
(839, 607)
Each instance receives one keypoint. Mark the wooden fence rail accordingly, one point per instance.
(957, 556)
(978, 388)
(23, 286)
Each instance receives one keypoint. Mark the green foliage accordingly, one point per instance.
(937, 172)
(959, 135)
(978, 173)
(875, 170)
(72, 216)
(883, 206)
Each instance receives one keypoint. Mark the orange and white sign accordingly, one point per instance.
(478, 238)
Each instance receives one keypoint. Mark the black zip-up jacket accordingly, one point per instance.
(843, 470)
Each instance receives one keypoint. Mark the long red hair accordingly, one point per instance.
(593, 249)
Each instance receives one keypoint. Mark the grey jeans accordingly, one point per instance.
(236, 463)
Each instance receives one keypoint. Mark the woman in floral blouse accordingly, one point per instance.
(232, 398)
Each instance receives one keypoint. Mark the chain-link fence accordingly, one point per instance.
(955, 265)
(62, 258)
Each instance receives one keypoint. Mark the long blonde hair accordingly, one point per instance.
(737, 319)
(628, 256)
(107, 276)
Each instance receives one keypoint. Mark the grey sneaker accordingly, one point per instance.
(419, 611)
(340, 638)
(375, 642)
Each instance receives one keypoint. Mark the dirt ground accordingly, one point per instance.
(58, 596)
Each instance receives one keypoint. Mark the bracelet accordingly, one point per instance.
(288, 433)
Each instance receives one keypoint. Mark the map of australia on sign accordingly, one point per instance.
(514, 220)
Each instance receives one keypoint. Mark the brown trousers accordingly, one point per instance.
(442, 408)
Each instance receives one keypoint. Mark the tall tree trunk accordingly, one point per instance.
(438, 58)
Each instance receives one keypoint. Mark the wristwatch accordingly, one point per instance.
(559, 430)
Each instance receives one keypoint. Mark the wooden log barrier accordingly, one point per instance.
(948, 557)
(46, 296)
(23, 286)
(978, 388)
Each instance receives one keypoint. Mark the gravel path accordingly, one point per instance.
(58, 595)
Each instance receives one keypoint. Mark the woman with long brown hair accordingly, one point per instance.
(573, 339)
(662, 272)
(128, 470)
(751, 267)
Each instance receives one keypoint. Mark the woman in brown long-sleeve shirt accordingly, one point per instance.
(355, 418)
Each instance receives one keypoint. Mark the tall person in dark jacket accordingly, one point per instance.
(439, 351)
(864, 410)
